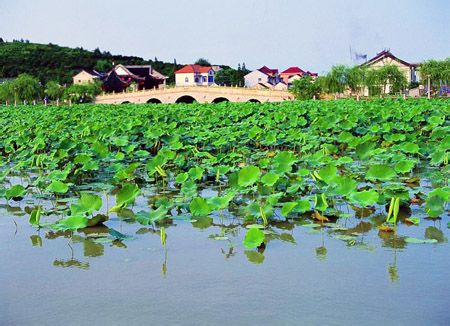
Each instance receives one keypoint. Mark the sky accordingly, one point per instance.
(313, 35)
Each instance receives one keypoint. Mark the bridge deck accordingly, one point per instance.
(199, 94)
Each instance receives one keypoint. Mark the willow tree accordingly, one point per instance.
(372, 81)
(23, 88)
(436, 72)
(337, 79)
(356, 78)
(306, 88)
(6, 92)
(390, 75)
(53, 90)
(82, 93)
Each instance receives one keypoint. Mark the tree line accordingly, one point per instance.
(49, 62)
(388, 79)
(26, 88)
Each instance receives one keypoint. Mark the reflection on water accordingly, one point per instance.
(254, 257)
(392, 270)
(355, 229)
(433, 232)
(321, 252)
(392, 240)
(70, 263)
(36, 240)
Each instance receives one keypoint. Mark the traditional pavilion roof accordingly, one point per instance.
(140, 72)
(387, 54)
(120, 77)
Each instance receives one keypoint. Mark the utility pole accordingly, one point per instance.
(429, 87)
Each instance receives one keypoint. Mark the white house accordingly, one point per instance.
(194, 75)
(86, 76)
(384, 58)
(262, 75)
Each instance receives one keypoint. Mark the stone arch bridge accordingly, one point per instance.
(212, 94)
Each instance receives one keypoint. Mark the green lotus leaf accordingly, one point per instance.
(269, 179)
(58, 187)
(409, 147)
(125, 196)
(364, 150)
(364, 198)
(87, 204)
(416, 240)
(35, 216)
(199, 207)
(181, 177)
(253, 238)
(146, 218)
(328, 173)
(287, 208)
(196, 173)
(434, 206)
(15, 191)
(283, 162)
(344, 186)
(72, 223)
(404, 166)
(302, 206)
(248, 176)
(381, 172)
(320, 202)
(218, 203)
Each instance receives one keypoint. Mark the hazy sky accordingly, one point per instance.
(278, 33)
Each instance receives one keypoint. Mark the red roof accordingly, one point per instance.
(268, 71)
(293, 71)
(189, 69)
(312, 74)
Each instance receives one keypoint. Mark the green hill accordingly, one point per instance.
(52, 62)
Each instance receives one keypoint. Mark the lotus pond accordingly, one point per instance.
(281, 214)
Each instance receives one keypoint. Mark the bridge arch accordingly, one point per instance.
(254, 100)
(186, 99)
(220, 100)
(125, 102)
(154, 100)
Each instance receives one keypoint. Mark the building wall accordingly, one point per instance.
(83, 78)
(204, 79)
(281, 86)
(121, 72)
(388, 61)
(180, 79)
(253, 78)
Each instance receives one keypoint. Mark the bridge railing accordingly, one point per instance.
(202, 89)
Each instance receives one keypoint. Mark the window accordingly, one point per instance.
(204, 79)
(186, 80)
(259, 79)
(196, 79)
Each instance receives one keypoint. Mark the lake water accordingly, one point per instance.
(304, 276)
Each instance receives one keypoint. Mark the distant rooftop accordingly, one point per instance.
(268, 71)
(189, 69)
(293, 71)
(386, 53)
